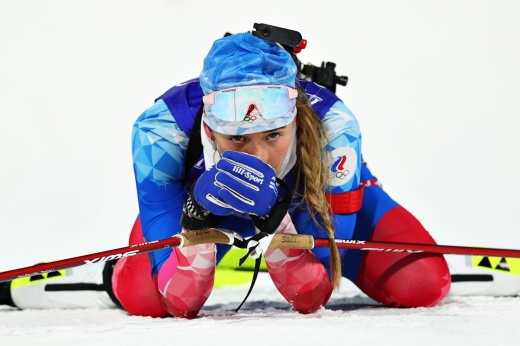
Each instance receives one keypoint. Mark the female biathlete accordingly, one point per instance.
(280, 155)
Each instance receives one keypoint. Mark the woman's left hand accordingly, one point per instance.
(246, 183)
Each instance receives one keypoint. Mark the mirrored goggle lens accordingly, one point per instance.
(235, 104)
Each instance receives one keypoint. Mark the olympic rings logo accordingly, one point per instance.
(340, 174)
(249, 119)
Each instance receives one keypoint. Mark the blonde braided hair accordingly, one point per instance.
(313, 174)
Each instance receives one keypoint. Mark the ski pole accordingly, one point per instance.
(299, 241)
(218, 236)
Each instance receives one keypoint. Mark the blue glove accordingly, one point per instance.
(247, 184)
(206, 194)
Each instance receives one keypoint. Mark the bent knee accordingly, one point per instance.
(135, 288)
(415, 280)
(424, 290)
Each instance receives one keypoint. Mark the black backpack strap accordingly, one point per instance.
(194, 149)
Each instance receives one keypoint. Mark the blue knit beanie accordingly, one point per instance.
(244, 59)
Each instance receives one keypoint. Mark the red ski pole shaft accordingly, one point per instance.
(415, 247)
(184, 239)
(103, 256)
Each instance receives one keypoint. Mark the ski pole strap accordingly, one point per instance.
(256, 237)
(255, 275)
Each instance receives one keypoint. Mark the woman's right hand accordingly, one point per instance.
(206, 194)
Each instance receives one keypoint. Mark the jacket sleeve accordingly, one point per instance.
(344, 165)
(158, 151)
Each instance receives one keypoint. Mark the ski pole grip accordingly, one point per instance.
(291, 241)
(204, 236)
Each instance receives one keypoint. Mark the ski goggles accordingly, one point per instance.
(235, 103)
(250, 109)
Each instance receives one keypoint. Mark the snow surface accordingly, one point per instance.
(266, 319)
(435, 87)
